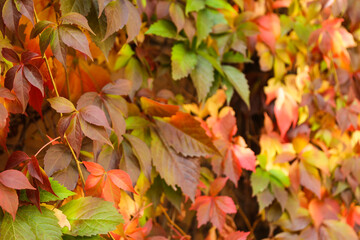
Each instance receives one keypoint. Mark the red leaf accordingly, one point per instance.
(225, 127)
(111, 192)
(36, 99)
(321, 210)
(10, 55)
(245, 157)
(40, 176)
(94, 185)
(153, 108)
(16, 158)
(213, 209)
(3, 116)
(15, 179)
(3, 134)
(28, 56)
(94, 115)
(217, 185)
(121, 179)
(94, 168)
(9, 77)
(74, 134)
(9, 201)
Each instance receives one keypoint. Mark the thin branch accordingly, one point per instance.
(171, 221)
(46, 145)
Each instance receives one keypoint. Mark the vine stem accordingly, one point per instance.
(57, 94)
(172, 222)
(53, 140)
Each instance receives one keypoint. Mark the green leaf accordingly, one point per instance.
(163, 28)
(18, 229)
(234, 57)
(89, 216)
(124, 56)
(220, 4)
(45, 39)
(280, 175)
(204, 24)
(239, 82)
(99, 26)
(69, 237)
(194, 5)
(214, 61)
(260, 179)
(30, 224)
(61, 192)
(183, 61)
(58, 47)
(39, 27)
(80, 6)
(135, 122)
(202, 77)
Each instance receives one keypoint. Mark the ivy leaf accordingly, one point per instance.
(74, 38)
(340, 230)
(99, 26)
(67, 6)
(177, 15)
(309, 178)
(106, 185)
(26, 8)
(39, 27)
(173, 168)
(133, 24)
(45, 39)
(57, 158)
(15, 179)
(163, 28)
(78, 19)
(67, 177)
(185, 135)
(18, 228)
(194, 5)
(157, 109)
(94, 115)
(94, 132)
(61, 105)
(89, 216)
(116, 15)
(183, 61)
(239, 82)
(10, 55)
(116, 114)
(260, 179)
(61, 192)
(32, 74)
(202, 77)
(204, 24)
(21, 88)
(58, 47)
(142, 153)
(11, 16)
(213, 209)
(43, 224)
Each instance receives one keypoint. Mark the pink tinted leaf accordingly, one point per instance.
(74, 38)
(224, 127)
(78, 19)
(121, 179)
(32, 74)
(61, 105)
(245, 157)
(94, 168)
(10, 55)
(26, 8)
(119, 87)
(94, 115)
(202, 205)
(94, 132)
(238, 235)
(3, 116)
(9, 201)
(15, 179)
(116, 15)
(5, 93)
(58, 47)
(21, 88)
(11, 16)
(226, 204)
(133, 24)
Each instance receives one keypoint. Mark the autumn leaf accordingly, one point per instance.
(214, 208)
